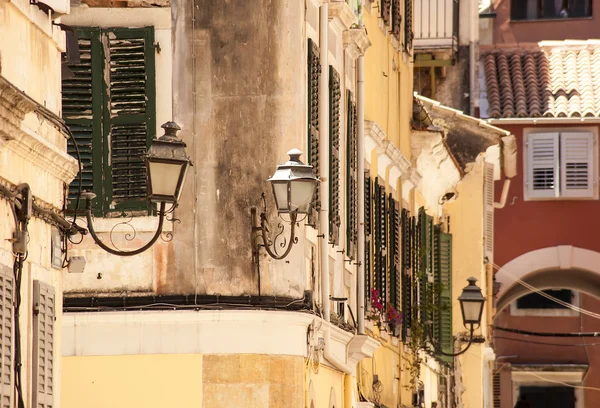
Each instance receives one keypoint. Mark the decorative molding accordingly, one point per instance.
(26, 143)
(377, 137)
(356, 41)
(342, 15)
(361, 346)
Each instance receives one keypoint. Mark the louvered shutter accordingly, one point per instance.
(43, 345)
(496, 389)
(396, 19)
(380, 269)
(131, 122)
(394, 252)
(82, 99)
(488, 204)
(425, 255)
(6, 337)
(351, 179)
(335, 96)
(406, 276)
(443, 279)
(368, 227)
(377, 255)
(542, 165)
(408, 25)
(314, 74)
(416, 268)
(386, 7)
(577, 164)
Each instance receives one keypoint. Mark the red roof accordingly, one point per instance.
(553, 79)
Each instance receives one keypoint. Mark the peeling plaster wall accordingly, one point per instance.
(239, 92)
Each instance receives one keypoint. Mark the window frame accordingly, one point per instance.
(552, 312)
(530, 378)
(528, 194)
(559, 18)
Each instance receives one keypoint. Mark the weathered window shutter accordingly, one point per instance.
(577, 164)
(82, 101)
(368, 227)
(43, 345)
(130, 123)
(408, 25)
(394, 252)
(496, 389)
(416, 267)
(443, 279)
(396, 19)
(351, 179)
(406, 275)
(425, 254)
(488, 227)
(381, 280)
(335, 95)
(314, 74)
(109, 105)
(386, 6)
(542, 165)
(7, 346)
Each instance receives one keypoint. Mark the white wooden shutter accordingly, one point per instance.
(542, 165)
(577, 164)
(6, 337)
(43, 345)
(488, 210)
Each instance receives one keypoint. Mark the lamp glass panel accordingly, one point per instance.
(280, 190)
(302, 195)
(164, 178)
(471, 311)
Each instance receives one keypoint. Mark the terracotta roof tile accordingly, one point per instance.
(554, 79)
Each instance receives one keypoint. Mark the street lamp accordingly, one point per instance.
(167, 164)
(471, 306)
(293, 185)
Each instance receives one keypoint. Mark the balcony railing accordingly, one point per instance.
(436, 24)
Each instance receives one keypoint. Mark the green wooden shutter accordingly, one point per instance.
(130, 122)
(368, 228)
(314, 74)
(394, 252)
(380, 267)
(406, 275)
(82, 97)
(425, 254)
(386, 6)
(396, 19)
(351, 178)
(335, 96)
(408, 25)
(416, 267)
(443, 279)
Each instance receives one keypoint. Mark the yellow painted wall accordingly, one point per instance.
(388, 84)
(323, 382)
(149, 381)
(466, 221)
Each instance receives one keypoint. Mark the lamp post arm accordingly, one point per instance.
(267, 242)
(88, 215)
(438, 349)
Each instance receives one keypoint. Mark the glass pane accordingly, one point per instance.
(280, 191)
(164, 178)
(537, 301)
(546, 397)
(302, 194)
(471, 310)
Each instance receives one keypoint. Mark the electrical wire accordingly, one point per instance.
(547, 334)
(582, 387)
(545, 343)
(18, 273)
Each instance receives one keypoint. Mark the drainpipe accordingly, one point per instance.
(504, 195)
(360, 287)
(324, 186)
(473, 20)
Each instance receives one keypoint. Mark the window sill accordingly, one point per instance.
(546, 20)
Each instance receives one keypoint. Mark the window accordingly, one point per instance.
(560, 165)
(314, 73)
(537, 301)
(442, 266)
(547, 396)
(109, 105)
(351, 177)
(43, 345)
(550, 9)
(335, 96)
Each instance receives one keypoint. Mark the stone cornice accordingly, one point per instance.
(26, 143)
(377, 135)
(342, 15)
(356, 41)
